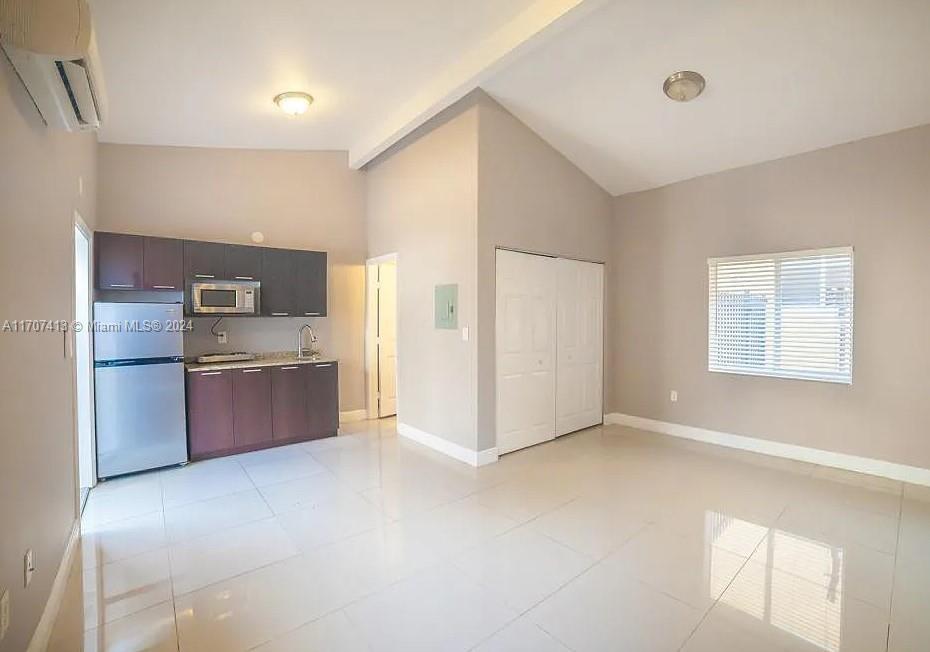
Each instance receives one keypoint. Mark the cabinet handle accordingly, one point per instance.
(287, 368)
(328, 364)
(122, 285)
(312, 314)
(162, 287)
(211, 373)
(204, 276)
(251, 371)
(244, 278)
(280, 314)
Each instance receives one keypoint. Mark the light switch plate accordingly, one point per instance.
(673, 396)
(4, 614)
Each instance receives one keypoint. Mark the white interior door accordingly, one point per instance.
(580, 376)
(387, 339)
(525, 349)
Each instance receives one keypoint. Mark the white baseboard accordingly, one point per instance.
(870, 466)
(353, 415)
(460, 453)
(43, 632)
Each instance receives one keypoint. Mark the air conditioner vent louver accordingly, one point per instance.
(75, 80)
(67, 92)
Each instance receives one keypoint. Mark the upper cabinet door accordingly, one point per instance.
(243, 263)
(310, 283)
(204, 260)
(162, 264)
(278, 283)
(119, 261)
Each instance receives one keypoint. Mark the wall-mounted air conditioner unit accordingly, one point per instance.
(50, 44)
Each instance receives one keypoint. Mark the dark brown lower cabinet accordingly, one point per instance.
(251, 406)
(289, 402)
(323, 399)
(209, 412)
(236, 410)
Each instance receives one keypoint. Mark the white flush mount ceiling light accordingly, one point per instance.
(683, 86)
(294, 102)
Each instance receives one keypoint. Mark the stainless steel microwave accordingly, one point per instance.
(225, 297)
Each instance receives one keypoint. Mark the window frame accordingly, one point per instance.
(776, 257)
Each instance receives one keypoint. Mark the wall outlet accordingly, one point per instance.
(29, 565)
(4, 614)
(673, 396)
(222, 337)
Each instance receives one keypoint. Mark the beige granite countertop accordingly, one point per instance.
(261, 360)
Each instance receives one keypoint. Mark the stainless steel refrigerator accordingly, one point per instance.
(139, 387)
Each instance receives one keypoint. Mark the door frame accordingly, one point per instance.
(545, 254)
(371, 332)
(83, 448)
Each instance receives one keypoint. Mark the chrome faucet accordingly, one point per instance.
(300, 342)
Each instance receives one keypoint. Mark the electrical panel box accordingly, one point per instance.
(447, 306)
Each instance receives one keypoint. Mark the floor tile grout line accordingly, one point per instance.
(894, 572)
(164, 522)
(365, 596)
(240, 574)
(444, 559)
(473, 490)
(522, 613)
(730, 583)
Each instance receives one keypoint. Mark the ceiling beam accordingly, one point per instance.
(529, 29)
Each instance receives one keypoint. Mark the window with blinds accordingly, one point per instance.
(788, 315)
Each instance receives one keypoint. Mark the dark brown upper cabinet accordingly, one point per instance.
(243, 263)
(251, 406)
(293, 282)
(162, 264)
(278, 271)
(310, 283)
(204, 260)
(119, 261)
(322, 399)
(289, 401)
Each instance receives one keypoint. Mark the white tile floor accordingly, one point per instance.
(608, 539)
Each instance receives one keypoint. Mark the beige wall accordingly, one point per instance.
(39, 171)
(422, 205)
(529, 197)
(874, 195)
(299, 200)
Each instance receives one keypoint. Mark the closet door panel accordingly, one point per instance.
(580, 377)
(525, 349)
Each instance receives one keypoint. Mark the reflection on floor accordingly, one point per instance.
(608, 539)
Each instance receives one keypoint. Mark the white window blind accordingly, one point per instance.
(788, 315)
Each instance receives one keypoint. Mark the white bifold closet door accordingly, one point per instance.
(580, 337)
(549, 343)
(526, 349)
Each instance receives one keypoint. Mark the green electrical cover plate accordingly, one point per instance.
(447, 308)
